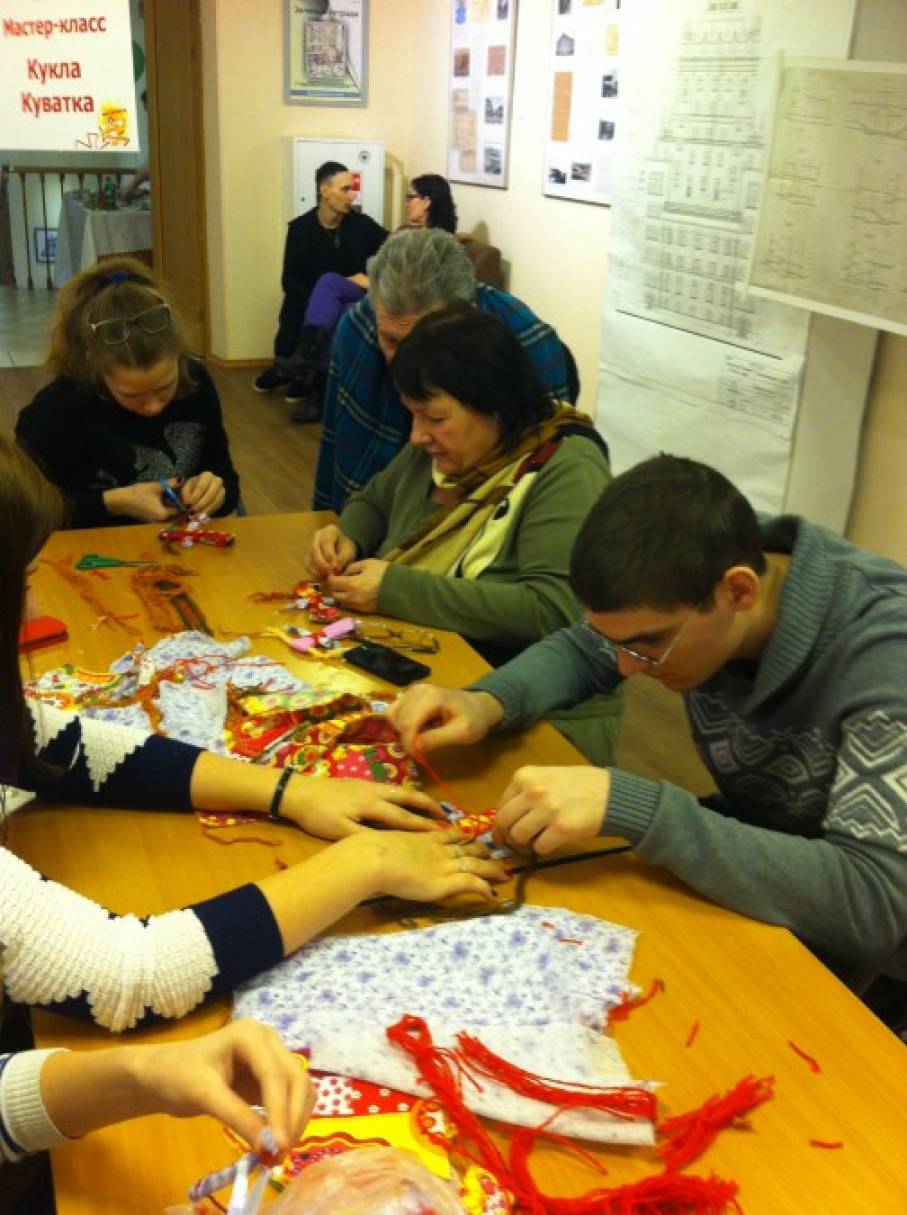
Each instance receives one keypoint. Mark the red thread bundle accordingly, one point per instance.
(625, 1102)
(688, 1135)
(666, 1194)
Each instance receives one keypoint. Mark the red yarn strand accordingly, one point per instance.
(627, 1006)
(825, 1143)
(811, 1063)
(688, 1135)
(691, 1036)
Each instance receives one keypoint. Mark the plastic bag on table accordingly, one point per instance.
(368, 1181)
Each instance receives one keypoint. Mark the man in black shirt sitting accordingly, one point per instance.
(330, 237)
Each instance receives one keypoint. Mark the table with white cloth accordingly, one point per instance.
(85, 234)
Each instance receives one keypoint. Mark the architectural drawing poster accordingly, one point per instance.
(482, 41)
(689, 363)
(583, 102)
(832, 232)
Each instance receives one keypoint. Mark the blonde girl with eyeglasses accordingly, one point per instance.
(130, 411)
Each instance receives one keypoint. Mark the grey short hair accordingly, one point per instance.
(420, 269)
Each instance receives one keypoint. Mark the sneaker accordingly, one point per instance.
(269, 380)
(298, 390)
(307, 411)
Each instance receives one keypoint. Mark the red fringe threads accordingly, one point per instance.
(443, 1070)
(627, 1006)
(626, 1102)
(824, 1143)
(688, 1135)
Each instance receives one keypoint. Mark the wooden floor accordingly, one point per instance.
(276, 461)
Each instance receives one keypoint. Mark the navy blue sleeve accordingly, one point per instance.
(152, 773)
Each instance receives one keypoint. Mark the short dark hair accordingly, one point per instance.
(326, 171)
(442, 212)
(474, 357)
(661, 536)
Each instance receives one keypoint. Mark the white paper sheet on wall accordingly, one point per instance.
(832, 232)
(689, 363)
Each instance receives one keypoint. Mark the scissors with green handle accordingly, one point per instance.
(94, 561)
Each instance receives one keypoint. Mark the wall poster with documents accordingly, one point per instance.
(482, 42)
(583, 100)
(692, 363)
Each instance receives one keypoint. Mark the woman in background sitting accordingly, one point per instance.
(129, 407)
(430, 204)
(470, 526)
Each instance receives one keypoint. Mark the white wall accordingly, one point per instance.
(554, 248)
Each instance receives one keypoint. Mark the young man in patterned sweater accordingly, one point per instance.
(788, 646)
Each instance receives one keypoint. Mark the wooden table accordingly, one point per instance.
(753, 988)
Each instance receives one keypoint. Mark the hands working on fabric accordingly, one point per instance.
(329, 553)
(331, 559)
(148, 502)
(203, 494)
(222, 1074)
(334, 807)
(541, 809)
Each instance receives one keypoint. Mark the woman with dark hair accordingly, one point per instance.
(470, 526)
(430, 204)
(129, 407)
(62, 952)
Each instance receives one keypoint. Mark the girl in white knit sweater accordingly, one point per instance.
(60, 951)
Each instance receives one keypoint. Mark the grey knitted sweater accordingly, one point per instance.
(808, 750)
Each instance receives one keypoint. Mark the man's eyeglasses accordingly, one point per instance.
(116, 330)
(411, 197)
(646, 659)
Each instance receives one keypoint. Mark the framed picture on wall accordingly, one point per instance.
(583, 99)
(326, 50)
(45, 245)
(480, 87)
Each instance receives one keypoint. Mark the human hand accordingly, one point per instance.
(203, 494)
(330, 552)
(221, 1074)
(543, 808)
(422, 866)
(427, 717)
(336, 807)
(143, 501)
(357, 589)
(361, 280)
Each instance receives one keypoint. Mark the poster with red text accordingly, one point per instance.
(66, 79)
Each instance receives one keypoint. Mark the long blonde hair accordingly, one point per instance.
(117, 288)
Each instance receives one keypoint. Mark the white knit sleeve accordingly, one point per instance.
(25, 1125)
(56, 945)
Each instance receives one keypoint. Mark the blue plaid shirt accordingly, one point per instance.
(366, 423)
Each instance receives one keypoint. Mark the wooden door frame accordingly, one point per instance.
(155, 11)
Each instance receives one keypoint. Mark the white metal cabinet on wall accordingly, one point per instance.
(363, 157)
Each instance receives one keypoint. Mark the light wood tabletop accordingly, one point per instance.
(752, 988)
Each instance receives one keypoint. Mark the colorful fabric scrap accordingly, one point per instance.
(529, 997)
